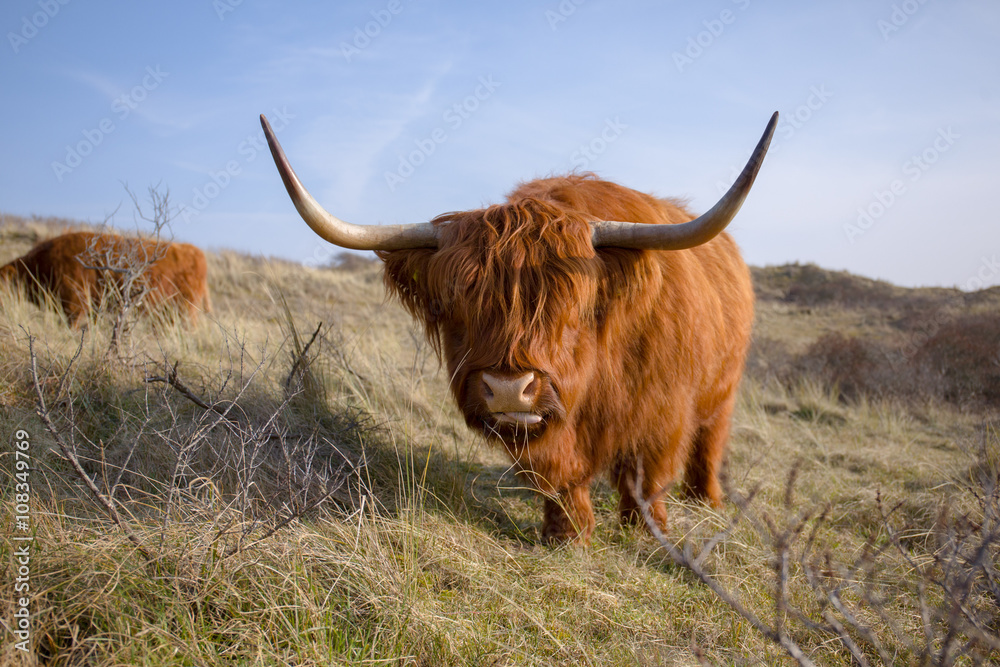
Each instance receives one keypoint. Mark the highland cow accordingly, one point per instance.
(586, 328)
(76, 270)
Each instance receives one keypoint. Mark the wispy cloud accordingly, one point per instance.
(135, 97)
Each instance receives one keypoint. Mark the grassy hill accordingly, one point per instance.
(284, 499)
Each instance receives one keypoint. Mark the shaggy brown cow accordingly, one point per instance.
(174, 277)
(580, 344)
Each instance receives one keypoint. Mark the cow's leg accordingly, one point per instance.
(709, 449)
(74, 303)
(569, 516)
(625, 476)
(555, 467)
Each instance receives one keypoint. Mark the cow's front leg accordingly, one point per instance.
(554, 465)
(569, 516)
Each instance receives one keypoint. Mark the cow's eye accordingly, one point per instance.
(456, 337)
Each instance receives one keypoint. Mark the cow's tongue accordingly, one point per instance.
(517, 417)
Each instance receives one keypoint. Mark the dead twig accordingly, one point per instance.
(955, 623)
(171, 378)
(299, 363)
(776, 634)
(70, 454)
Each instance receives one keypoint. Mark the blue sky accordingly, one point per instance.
(398, 110)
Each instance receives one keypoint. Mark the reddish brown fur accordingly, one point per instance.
(176, 279)
(640, 352)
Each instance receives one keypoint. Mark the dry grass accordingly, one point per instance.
(431, 555)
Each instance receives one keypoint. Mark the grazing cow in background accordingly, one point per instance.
(75, 269)
(586, 327)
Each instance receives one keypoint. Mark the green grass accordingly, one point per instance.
(430, 554)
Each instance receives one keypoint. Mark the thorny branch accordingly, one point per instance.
(171, 378)
(255, 438)
(126, 262)
(776, 635)
(70, 454)
(251, 454)
(962, 569)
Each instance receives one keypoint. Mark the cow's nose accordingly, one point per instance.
(510, 394)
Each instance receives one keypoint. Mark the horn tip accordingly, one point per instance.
(771, 123)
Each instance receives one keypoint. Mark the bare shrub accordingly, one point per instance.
(351, 261)
(125, 266)
(958, 365)
(820, 594)
(857, 367)
(241, 462)
(962, 359)
(769, 359)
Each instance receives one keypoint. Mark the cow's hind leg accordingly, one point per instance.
(625, 476)
(701, 477)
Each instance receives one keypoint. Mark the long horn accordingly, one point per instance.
(335, 230)
(695, 232)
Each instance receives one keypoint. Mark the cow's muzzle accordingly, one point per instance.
(511, 404)
(511, 398)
